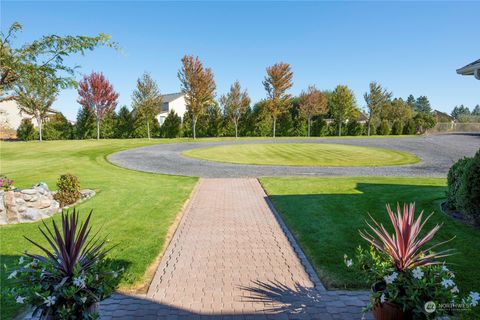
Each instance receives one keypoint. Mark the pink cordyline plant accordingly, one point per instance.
(405, 247)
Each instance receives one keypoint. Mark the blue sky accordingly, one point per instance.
(409, 47)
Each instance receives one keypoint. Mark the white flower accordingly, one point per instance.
(12, 275)
(448, 283)
(391, 278)
(445, 269)
(84, 299)
(418, 273)
(21, 260)
(96, 277)
(475, 296)
(349, 263)
(454, 290)
(382, 298)
(50, 301)
(79, 282)
(20, 299)
(115, 274)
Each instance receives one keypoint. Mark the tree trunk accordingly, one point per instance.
(40, 133)
(236, 129)
(98, 128)
(309, 123)
(340, 128)
(274, 125)
(369, 124)
(194, 122)
(148, 130)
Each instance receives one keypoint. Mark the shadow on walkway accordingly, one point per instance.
(271, 300)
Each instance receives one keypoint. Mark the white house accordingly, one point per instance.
(11, 117)
(172, 101)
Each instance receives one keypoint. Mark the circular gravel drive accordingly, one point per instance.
(437, 154)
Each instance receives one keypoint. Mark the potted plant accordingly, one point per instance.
(69, 279)
(408, 278)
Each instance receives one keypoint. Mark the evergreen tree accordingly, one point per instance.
(171, 127)
(214, 120)
(108, 125)
(384, 129)
(476, 110)
(397, 127)
(459, 111)
(26, 131)
(58, 128)
(85, 125)
(410, 127)
(423, 105)
(125, 124)
(411, 102)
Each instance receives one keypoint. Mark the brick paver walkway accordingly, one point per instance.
(232, 257)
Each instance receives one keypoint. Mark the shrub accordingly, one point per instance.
(354, 128)
(68, 190)
(71, 278)
(454, 180)
(402, 267)
(469, 190)
(410, 127)
(26, 131)
(171, 126)
(57, 128)
(397, 127)
(384, 129)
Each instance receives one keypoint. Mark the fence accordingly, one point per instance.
(446, 127)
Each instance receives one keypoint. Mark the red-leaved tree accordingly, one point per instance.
(97, 94)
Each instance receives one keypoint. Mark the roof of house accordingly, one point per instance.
(362, 117)
(442, 114)
(171, 96)
(469, 68)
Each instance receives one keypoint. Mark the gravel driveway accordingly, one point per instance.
(438, 153)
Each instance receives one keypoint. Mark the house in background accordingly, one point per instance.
(442, 116)
(175, 102)
(11, 117)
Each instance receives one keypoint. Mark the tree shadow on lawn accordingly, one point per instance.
(326, 227)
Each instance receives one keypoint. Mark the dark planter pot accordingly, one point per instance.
(92, 308)
(390, 311)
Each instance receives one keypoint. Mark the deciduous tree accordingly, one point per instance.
(146, 100)
(312, 103)
(198, 86)
(277, 82)
(97, 93)
(35, 97)
(343, 106)
(376, 99)
(42, 58)
(235, 104)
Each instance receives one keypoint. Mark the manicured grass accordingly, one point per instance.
(324, 214)
(134, 209)
(303, 154)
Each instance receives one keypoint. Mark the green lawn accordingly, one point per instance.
(135, 209)
(303, 154)
(324, 214)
